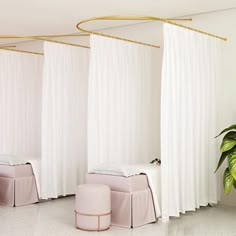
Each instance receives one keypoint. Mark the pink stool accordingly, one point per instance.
(93, 207)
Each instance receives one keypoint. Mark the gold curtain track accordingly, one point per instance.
(48, 39)
(137, 17)
(8, 46)
(41, 38)
(88, 32)
(17, 50)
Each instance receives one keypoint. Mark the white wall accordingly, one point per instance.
(221, 23)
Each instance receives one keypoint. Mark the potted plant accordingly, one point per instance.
(228, 150)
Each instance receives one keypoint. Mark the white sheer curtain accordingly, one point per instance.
(20, 103)
(64, 117)
(190, 76)
(122, 104)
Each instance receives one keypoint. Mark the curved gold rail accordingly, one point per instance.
(115, 17)
(137, 17)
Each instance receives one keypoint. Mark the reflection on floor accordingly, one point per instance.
(57, 218)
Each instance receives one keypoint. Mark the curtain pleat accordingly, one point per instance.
(189, 120)
(64, 119)
(122, 102)
(20, 104)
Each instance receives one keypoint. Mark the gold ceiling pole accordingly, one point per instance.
(136, 17)
(17, 50)
(7, 46)
(63, 35)
(41, 38)
(60, 42)
(48, 38)
(78, 26)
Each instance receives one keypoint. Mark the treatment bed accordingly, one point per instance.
(19, 181)
(17, 185)
(135, 196)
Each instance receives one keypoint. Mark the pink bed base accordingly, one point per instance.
(131, 199)
(17, 185)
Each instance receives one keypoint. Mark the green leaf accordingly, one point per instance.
(232, 163)
(228, 181)
(227, 129)
(227, 144)
(222, 158)
(234, 183)
(231, 134)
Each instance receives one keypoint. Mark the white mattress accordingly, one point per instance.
(11, 160)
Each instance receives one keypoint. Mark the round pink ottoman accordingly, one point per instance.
(93, 207)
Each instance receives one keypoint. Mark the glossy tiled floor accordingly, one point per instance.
(56, 218)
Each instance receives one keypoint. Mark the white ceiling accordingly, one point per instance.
(35, 17)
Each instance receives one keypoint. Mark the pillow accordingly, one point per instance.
(6, 159)
(112, 169)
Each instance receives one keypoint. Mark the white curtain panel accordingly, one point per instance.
(189, 117)
(64, 119)
(122, 104)
(20, 103)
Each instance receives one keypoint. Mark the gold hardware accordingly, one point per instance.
(88, 32)
(134, 17)
(24, 51)
(41, 38)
